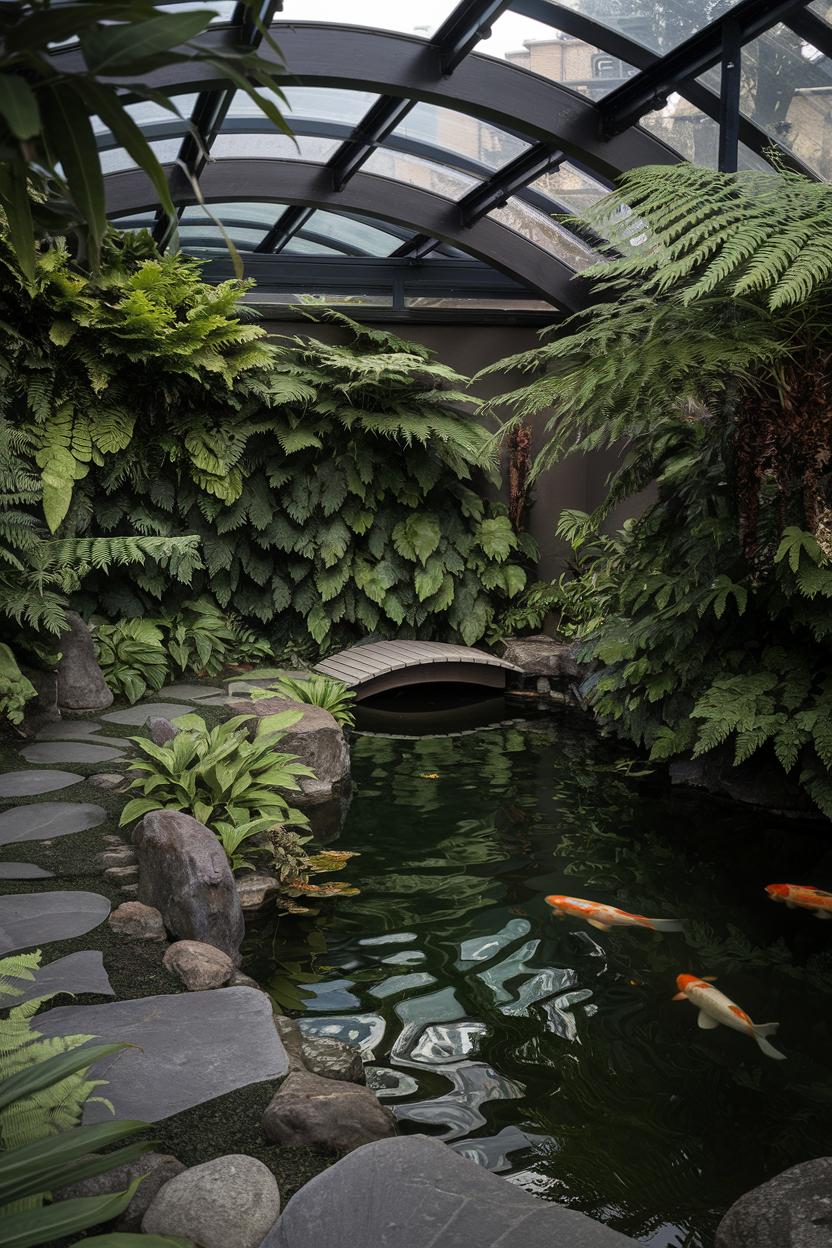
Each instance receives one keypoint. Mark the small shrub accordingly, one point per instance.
(332, 695)
(132, 657)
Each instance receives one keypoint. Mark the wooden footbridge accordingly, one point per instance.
(382, 665)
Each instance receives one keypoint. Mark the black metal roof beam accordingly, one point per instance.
(470, 22)
(383, 117)
(494, 192)
(649, 89)
(752, 136)
(415, 248)
(813, 29)
(288, 223)
(211, 107)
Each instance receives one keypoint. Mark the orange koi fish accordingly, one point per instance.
(804, 896)
(596, 914)
(715, 1008)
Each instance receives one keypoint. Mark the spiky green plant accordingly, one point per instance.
(315, 690)
(709, 362)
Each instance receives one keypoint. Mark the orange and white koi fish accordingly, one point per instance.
(804, 896)
(715, 1008)
(596, 914)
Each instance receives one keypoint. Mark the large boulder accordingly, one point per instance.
(316, 739)
(81, 687)
(198, 966)
(184, 873)
(760, 781)
(229, 1202)
(415, 1191)
(312, 1112)
(793, 1210)
(543, 656)
(158, 1169)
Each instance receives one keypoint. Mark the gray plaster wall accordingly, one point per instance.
(578, 483)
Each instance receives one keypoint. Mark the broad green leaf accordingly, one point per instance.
(14, 197)
(107, 105)
(417, 537)
(19, 106)
(124, 48)
(65, 1217)
(69, 135)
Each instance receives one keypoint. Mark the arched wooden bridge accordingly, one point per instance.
(382, 665)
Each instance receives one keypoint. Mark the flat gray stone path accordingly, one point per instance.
(138, 715)
(69, 730)
(32, 783)
(69, 752)
(42, 821)
(190, 693)
(76, 973)
(412, 1192)
(30, 920)
(23, 871)
(190, 1048)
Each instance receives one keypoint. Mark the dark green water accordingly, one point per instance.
(548, 1050)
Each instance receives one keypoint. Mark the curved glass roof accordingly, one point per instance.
(430, 164)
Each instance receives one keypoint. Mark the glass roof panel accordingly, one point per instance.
(823, 8)
(146, 113)
(440, 179)
(541, 229)
(375, 240)
(246, 214)
(316, 103)
(224, 9)
(208, 235)
(694, 135)
(298, 246)
(460, 134)
(656, 24)
(571, 187)
(419, 17)
(116, 158)
(786, 89)
(552, 54)
(271, 146)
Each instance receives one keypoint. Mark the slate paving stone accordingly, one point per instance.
(76, 973)
(138, 715)
(23, 871)
(31, 920)
(43, 821)
(189, 693)
(189, 1048)
(30, 783)
(69, 752)
(414, 1191)
(69, 730)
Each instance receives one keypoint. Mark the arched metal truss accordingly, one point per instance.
(558, 126)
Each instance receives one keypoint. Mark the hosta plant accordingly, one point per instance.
(199, 637)
(332, 695)
(218, 774)
(132, 657)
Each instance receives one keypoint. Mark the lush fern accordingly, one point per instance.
(707, 617)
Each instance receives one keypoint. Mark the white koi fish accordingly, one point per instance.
(715, 1008)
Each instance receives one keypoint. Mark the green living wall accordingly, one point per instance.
(334, 490)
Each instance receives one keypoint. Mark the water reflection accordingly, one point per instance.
(548, 1051)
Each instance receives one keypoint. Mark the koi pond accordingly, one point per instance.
(548, 1050)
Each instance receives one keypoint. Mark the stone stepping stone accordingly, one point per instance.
(138, 715)
(23, 871)
(69, 752)
(30, 920)
(190, 693)
(222, 700)
(42, 821)
(69, 730)
(190, 1048)
(76, 973)
(30, 783)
